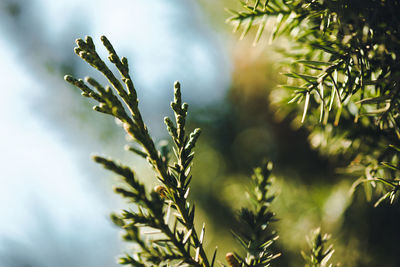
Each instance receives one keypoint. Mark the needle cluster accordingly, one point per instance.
(254, 233)
(343, 74)
(166, 209)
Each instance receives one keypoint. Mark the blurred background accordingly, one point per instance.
(55, 202)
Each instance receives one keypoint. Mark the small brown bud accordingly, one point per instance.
(126, 127)
(161, 190)
(231, 259)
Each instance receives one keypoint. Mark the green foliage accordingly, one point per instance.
(254, 234)
(394, 182)
(174, 245)
(387, 174)
(342, 76)
(344, 68)
(318, 256)
(165, 211)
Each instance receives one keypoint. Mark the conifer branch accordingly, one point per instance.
(318, 255)
(177, 245)
(253, 233)
(344, 67)
(391, 173)
(329, 43)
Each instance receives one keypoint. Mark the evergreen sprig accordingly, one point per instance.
(344, 67)
(388, 175)
(318, 255)
(177, 241)
(342, 46)
(254, 234)
(257, 13)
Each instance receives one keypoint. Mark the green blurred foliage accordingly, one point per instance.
(316, 165)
